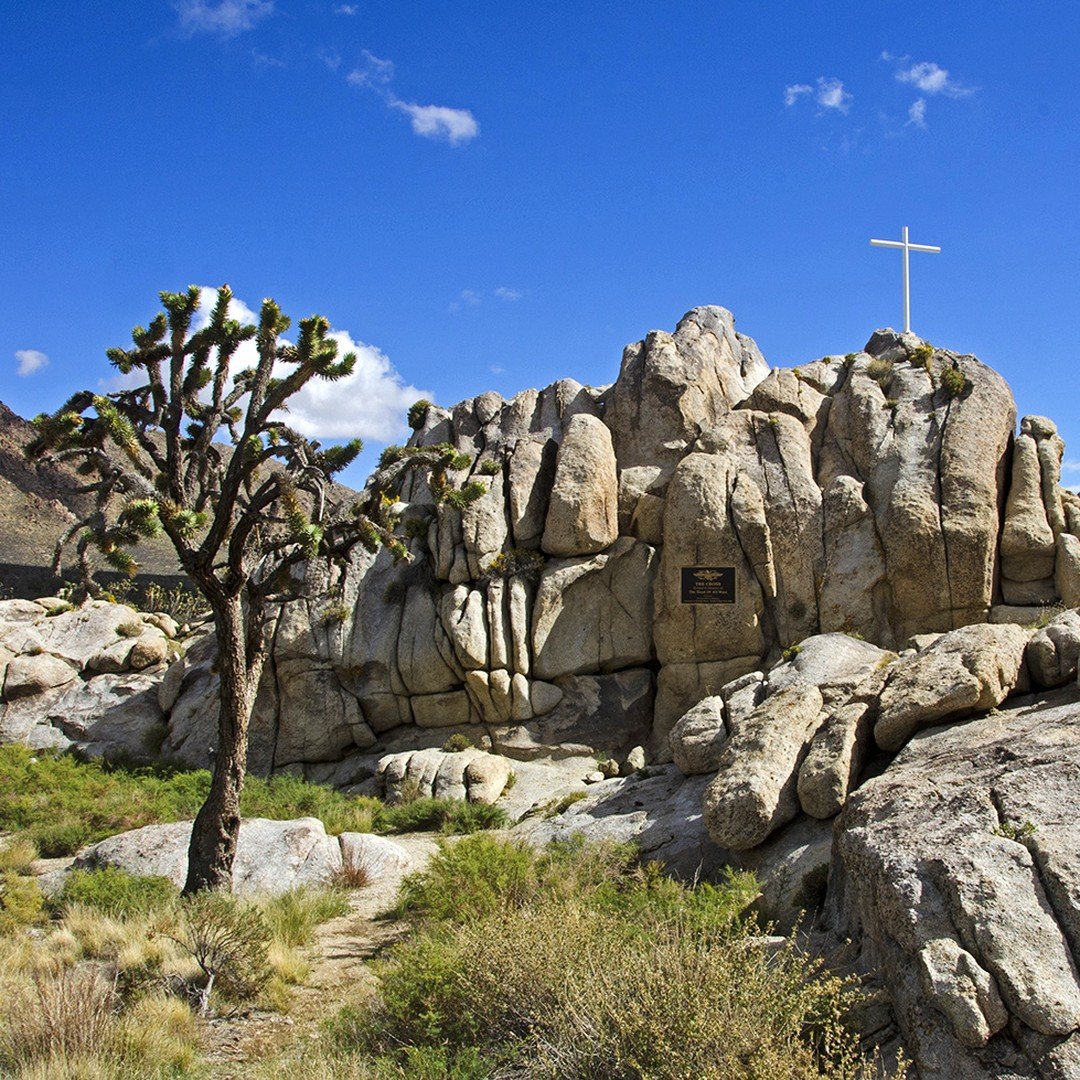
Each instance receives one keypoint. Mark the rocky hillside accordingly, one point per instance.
(38, 501)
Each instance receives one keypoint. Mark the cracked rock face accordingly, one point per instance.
(959, 869)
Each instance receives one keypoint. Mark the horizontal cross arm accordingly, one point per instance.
(887, 243)
(924, 247)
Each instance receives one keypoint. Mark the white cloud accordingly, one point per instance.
(371, 72)
(346, 9)
(331, 59)
(495, 369)
(371, 403)
(226, 18)
(466, 298)
(917, 113)
(262, 60)
(830, 94)
(795, 91)
(507, 294)
(1071, 465)
(930, 78)
(439, 121)
(30, 360)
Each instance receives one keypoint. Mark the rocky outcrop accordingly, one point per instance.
(957, 869)
(471, 775)
(83, 677)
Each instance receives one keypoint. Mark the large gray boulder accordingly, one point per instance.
(272, 857)
(957, 869)
(975, 667)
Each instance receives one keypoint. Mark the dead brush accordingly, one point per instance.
(356, 872)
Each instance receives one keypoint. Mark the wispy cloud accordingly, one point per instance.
(439, 122)
(829, 93)
(507, 294)
(30, 360)
(331, 59)
(372, 71)
(226, 18)
(466, 298)
(346, 9)
(1071, 465)
(917, 113)
(264, 61)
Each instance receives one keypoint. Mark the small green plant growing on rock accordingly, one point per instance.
(880, 370)
(921, 355)
(418, 413)
(527, 563)
(790, 652)
(456, 743)
(953, 381)
(416, 528)
(334, 614)
(489, 467)
(1015, 830)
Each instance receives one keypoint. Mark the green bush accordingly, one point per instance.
(489, 467)
(953, 381)
(115, 892)
(21, 901)
(527, 563)
(443, 815)
(418, 413)
(229, 940)
(584, 964)
(921, 355)
(456, 743)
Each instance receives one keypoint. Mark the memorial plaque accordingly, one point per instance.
(708, 584)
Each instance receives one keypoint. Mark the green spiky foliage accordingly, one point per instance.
(203, 453)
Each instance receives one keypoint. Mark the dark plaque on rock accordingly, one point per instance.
(708, 584)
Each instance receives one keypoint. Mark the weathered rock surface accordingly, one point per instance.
(471, 774)
(968, 669)
(754, 790)
(958, 868)
(583, 516)
(697, 740)
(1053, 651)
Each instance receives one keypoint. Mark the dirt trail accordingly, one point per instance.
(339, 956)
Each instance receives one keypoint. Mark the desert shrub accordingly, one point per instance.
(17, 854)
(21, 901)
(579, 962)
(229, 940)
(790, 652)
(116, 892)
(489, 467)
(293, 916)
(953, 381)
(180, 602)
(334, 614)
(879, 370)
(417, 528)
(456, 743)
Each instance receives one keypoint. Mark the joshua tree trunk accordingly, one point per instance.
(217, 825)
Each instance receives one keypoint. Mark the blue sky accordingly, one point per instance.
(494, 196)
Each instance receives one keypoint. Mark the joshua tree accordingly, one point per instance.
(201, 451)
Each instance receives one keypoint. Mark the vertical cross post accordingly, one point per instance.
(907, 247)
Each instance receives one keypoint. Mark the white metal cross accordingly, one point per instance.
(906, 246)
